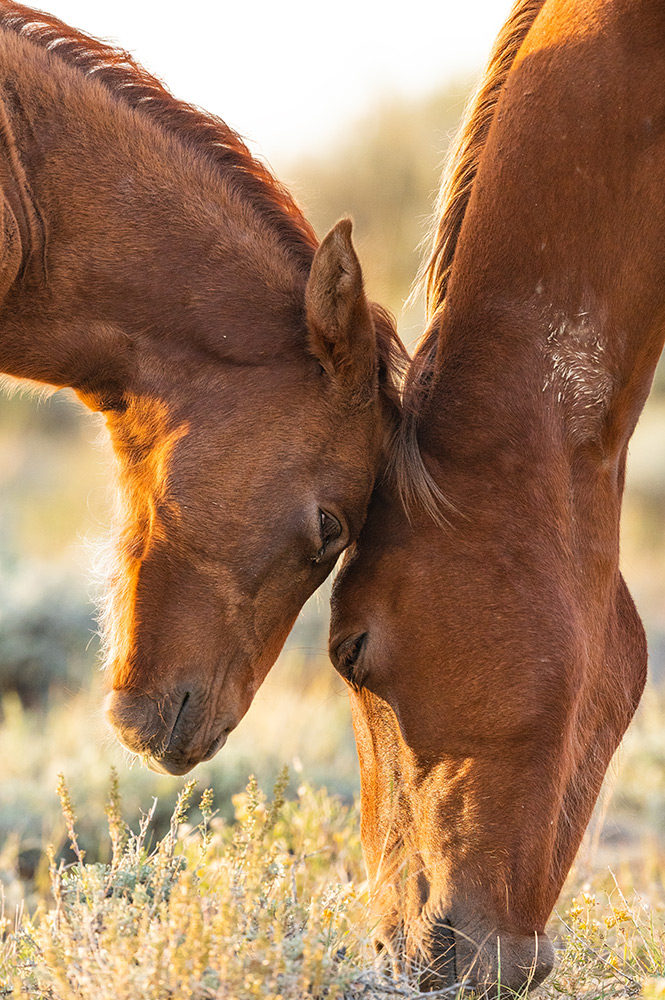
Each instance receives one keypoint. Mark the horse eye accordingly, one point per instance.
(329, 530)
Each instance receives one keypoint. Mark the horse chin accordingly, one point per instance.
(166, 767)
(178, 764)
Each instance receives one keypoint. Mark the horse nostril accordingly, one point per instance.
(346, 656)
(178, 719)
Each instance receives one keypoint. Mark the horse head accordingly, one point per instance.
(152, 264)
(494, 654)
(241, 485)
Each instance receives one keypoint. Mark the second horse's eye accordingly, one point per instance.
(329, 530)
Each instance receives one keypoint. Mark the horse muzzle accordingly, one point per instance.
(168, 733)
(489, 962)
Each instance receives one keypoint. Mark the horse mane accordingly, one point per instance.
(200, 131)
(393, 357)
(415, 484)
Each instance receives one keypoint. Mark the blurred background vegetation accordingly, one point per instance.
(54, 494)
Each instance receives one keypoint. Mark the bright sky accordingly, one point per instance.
(290, 74)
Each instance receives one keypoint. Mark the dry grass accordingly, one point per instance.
(264, 907)
(274, 905)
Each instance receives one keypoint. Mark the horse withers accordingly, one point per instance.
(496, 657)
(153, 265)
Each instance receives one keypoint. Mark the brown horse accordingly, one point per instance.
(497, 658)
(149, 262)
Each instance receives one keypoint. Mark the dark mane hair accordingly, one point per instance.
(206, 134)
(393, 357)
(416, 486)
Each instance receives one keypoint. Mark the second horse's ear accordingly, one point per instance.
(341, 330)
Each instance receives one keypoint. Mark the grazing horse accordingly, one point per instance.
(496, 657)
(153, 265)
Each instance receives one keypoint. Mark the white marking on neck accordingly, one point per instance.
(577, 371)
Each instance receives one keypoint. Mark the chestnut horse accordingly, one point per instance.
(496, 658)
(153, 265)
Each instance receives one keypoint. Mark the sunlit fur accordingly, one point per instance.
(137, 526)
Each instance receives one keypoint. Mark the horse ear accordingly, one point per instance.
(341, 330)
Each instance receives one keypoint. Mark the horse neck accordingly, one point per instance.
(128, 230)
(555, 312)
